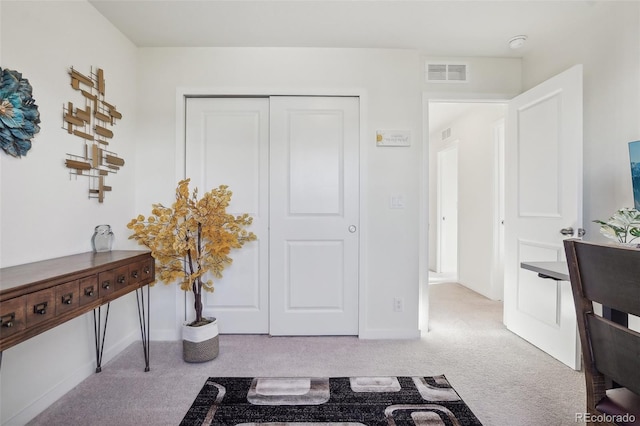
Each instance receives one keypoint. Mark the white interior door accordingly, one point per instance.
(227, 142)
(314, 215)
(543, 195)
(448, 210)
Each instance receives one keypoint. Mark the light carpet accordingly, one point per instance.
(502, 378)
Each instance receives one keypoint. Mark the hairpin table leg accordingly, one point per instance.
(143, 316)
(100, 332)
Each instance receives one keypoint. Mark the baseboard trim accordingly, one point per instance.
(390, 333)
(169, 335)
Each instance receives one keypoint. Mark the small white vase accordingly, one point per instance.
(102, 239)
(200, 344)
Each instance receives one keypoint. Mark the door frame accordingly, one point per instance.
(497, 272)
(182, 93)
(423, 184)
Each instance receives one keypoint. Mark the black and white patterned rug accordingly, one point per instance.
(349, 401)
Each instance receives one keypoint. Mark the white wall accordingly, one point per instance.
(488, 78)
(44, 213)
(390, 83)
(473, 131)
(608, 45)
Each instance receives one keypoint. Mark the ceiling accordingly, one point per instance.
(436, 28)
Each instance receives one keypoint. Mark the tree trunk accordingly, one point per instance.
(198, 301)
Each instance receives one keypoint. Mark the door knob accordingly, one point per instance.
(567, 231)
(352, 229)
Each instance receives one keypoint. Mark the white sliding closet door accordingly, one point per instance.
(314, 215)
(292, 163)
(227, 142)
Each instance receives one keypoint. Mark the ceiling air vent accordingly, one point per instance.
(447, 73)
(446, 133)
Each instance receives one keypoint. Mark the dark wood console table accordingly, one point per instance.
(36, 297)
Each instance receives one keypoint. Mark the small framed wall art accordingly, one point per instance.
(393, 138)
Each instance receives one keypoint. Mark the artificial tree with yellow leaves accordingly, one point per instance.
(192, 238)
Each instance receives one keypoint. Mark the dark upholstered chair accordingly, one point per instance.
(609, 275)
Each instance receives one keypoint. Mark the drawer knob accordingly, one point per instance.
(67, 299)
(147, 270)
(88, 291)
(7, 320)
(106, 284)
(134, 274)
(40, 308)
(121, 279)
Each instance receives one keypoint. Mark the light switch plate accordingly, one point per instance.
(396, 202)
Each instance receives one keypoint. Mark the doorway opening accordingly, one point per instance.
(543, 192)
(466, 194)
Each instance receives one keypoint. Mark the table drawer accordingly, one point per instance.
(41, 306)
(147, 270)
(122, 277)
(88, 289)
(12, 316)
(67, 297)
(106, 283)
(135, 273)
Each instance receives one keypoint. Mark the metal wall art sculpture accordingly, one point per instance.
(92, 122)
(19, 116)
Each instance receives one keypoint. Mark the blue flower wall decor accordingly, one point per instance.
(19, 116)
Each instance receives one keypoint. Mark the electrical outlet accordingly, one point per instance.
(398, 304)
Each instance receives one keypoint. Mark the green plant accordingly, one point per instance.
(623, 226)
(191, 238)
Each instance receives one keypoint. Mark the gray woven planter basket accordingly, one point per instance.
(200, 343)
(200, 351)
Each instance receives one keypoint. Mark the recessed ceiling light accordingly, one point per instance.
(517, 42)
